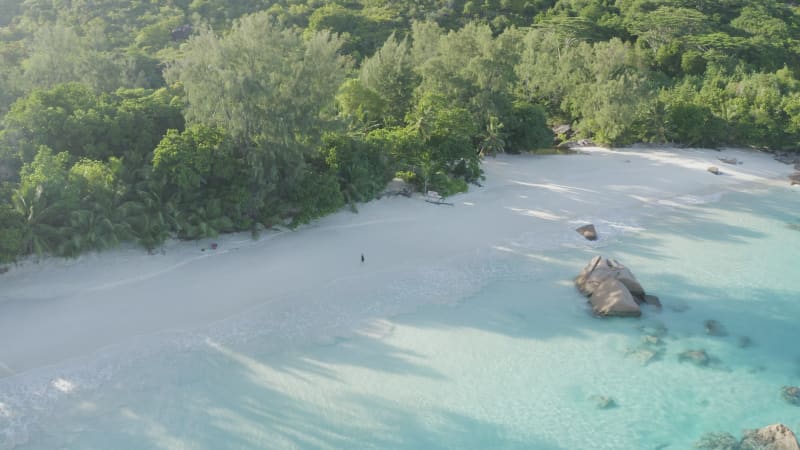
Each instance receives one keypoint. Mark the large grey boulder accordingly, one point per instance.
(599, 269)
(773, 437)
(612, 298)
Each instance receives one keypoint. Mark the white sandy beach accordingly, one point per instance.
(58, 310)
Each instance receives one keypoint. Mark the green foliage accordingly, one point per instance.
(360, 106)
(12, 224)
(528, 128)
(71, 118)
(199, 171)
(285, 125)
(361, 169)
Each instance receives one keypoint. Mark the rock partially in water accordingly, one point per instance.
(588, 231)
(773, 437)
(717, 441)
(794, 178)
(715, 170)
(603, 402)
(652, 300)
(696, 357)
(611, 298)
(791, 394)
(599, 269)
(714, 328)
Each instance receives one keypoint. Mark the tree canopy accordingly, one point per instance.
(141, 121)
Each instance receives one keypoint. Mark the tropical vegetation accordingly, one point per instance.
(140, 121)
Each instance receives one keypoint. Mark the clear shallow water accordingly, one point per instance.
(513, 363)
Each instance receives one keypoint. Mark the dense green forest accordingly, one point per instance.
(142, 120)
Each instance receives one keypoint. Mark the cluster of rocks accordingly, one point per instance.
(612, 289)
(651, 344)
(790, 159)
(772, 437)
(563, 138)
(397, 186)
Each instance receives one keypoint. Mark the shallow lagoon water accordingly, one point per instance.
(512, 360)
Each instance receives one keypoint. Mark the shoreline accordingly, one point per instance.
(62, 312)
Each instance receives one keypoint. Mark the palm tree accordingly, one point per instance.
(494, 139)
(40, 231)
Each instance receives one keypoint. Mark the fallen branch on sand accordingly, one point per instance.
(436, 199)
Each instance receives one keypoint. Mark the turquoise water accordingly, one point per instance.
(516, 362)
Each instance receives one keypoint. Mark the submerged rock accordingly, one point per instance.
(645, 354)
(717, 441)
(678, 306)
(588, 231)
(649, 339)
(652, 300)
(697, 357)
(744, 342)
(773, 437)
(791, 394)
(603, 402)
(714, 328)
(659, 329)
